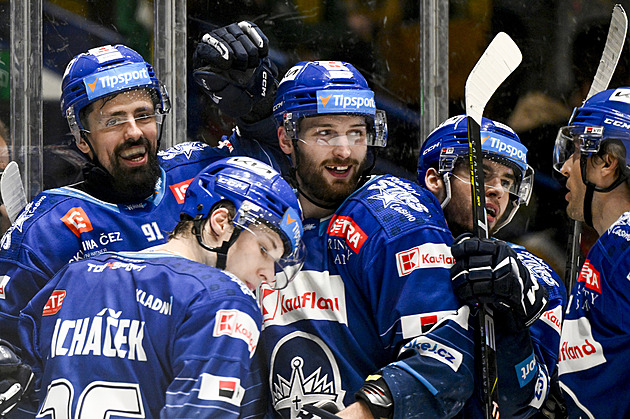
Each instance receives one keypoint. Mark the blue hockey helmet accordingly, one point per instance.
(605, 116)
(261, 196)
(447, 145)
(312, 88)
(105, 71)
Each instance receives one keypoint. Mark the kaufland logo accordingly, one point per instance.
(238, 325)
(429, 255)
(579, 350)
(127, 76)
(345, 101)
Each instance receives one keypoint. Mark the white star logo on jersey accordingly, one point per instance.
(392, 192)
(184, 148)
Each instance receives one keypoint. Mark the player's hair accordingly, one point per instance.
(185, 224)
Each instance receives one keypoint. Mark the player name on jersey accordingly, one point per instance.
(101, 335)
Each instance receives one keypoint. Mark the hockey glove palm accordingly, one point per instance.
(232, 67)
(488, 271)
(16, 378)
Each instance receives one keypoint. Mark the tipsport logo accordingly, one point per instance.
(116, 79)
(346, 101)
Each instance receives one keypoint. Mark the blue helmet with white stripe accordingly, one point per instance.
(605, 116)
(312, 88)
(447, 146)
(260, 196)
(105, 71)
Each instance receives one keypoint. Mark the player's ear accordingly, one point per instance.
(433, 181)
(285, 142)
(82, 144)
(220, 224)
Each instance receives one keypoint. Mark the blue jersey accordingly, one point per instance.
(142, 335)
(595, 335)
(526, 359)
(374, 294)
(65, 224)
(356, 303)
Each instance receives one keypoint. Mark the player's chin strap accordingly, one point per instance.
(591, 188)
(221, 251)
(292, 178)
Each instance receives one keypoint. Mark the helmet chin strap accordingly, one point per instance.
(447, 186)
(221, 251)
(591, 188)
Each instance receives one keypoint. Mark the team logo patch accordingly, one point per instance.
(399, 196)
(428, 255)
(342, 226)
(225, 389)
(296, 380)
(591, 277)
(53, 305)
(179, 190)
(77, 221)
(4, 280)
(238, 325)
(186, 149)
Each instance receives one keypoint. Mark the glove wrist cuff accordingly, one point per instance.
(375, 393)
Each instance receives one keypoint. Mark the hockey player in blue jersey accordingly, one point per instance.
(527, 346)
(592, 152)
(131, 195)
(163, 333)
(370, 325)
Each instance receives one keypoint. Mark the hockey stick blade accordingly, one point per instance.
(498, 61)
(12, 190)
(612, 51)
(607, 64)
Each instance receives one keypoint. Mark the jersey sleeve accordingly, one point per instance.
(526, 359)
(31, 251)
(216, 365)
(418, 315)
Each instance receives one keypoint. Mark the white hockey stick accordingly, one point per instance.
(12, 190)
(497, 62)
(607, 65)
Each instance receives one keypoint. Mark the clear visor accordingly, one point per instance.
(288, 259)
(339, 130)
(570, 139)
(517, 184)
(116, 112)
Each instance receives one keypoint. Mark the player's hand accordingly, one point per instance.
(16, 378)
(231, 65)
(488, 271)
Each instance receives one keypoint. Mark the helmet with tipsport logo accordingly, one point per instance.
(603, 117)
(260, 196)
(447, 146)
(105, 71)
(312, 88)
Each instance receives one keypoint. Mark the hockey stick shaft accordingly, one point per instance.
(498, 61)
(607, 64)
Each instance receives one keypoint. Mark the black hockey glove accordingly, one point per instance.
(16, 378)
(232, 67)
(488, 271)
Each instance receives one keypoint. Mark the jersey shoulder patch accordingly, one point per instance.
(398, 205)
